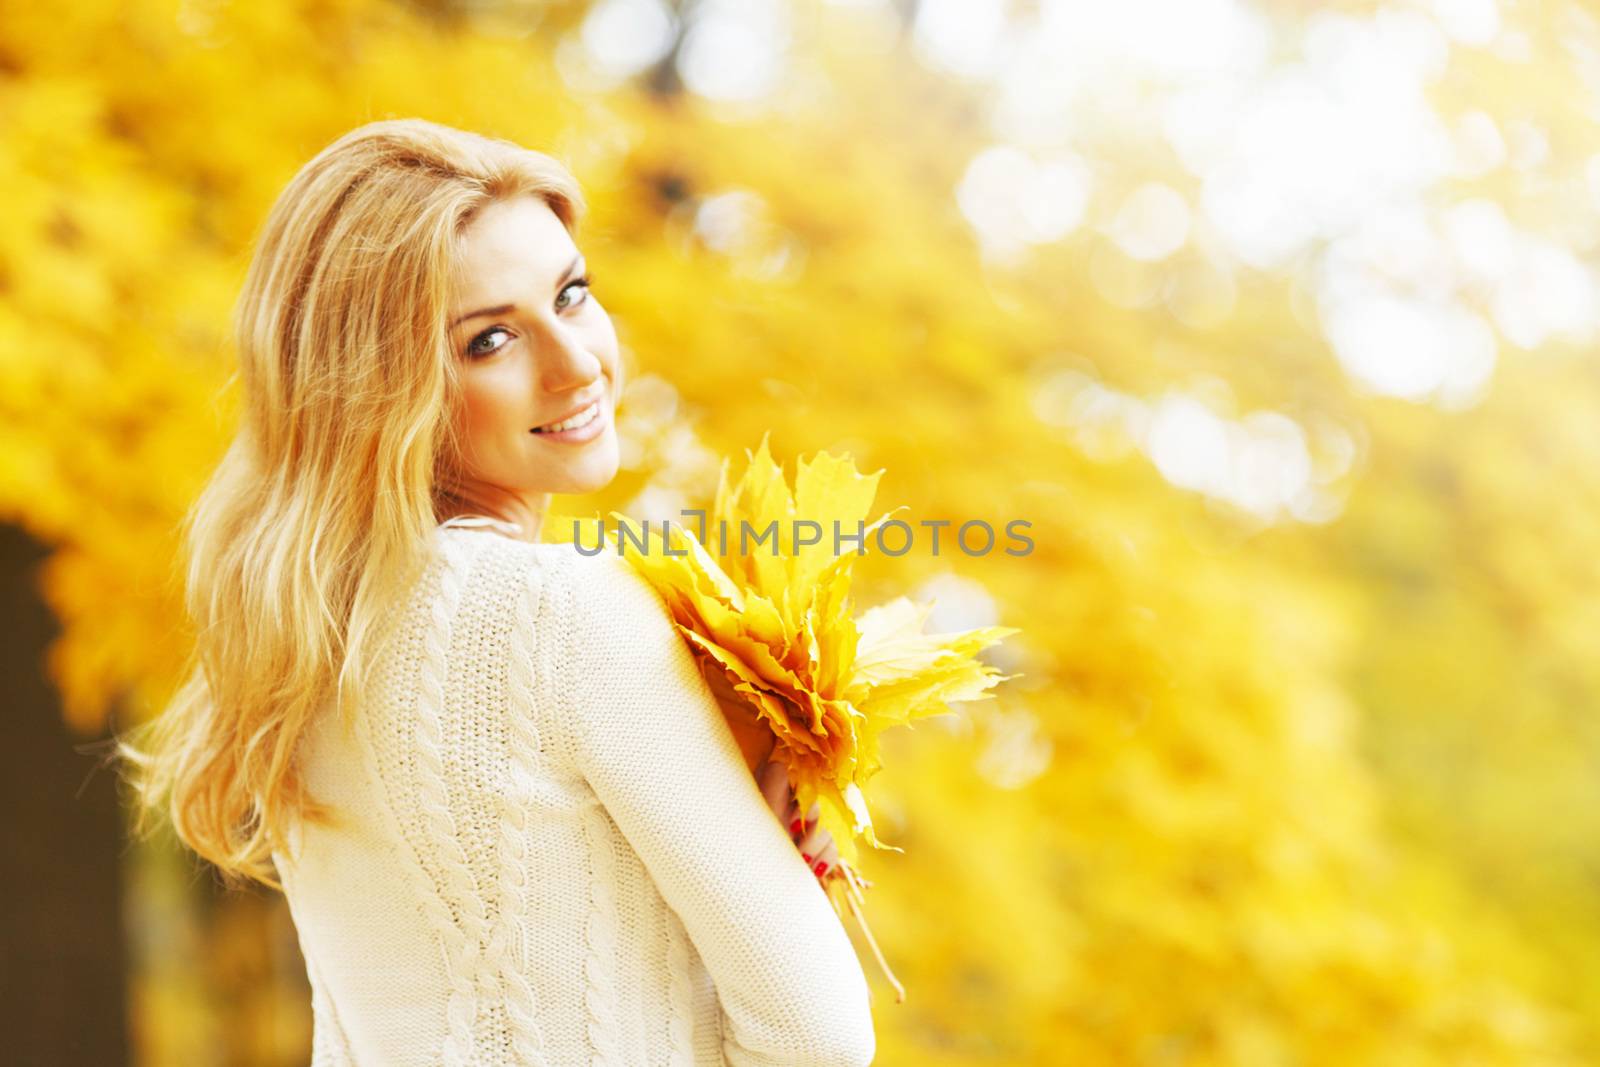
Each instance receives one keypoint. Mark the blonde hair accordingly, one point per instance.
(326, 499)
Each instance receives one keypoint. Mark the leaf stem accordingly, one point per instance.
(852, 898)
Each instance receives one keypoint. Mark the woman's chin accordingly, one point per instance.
(586, 474)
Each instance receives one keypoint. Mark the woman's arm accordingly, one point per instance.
(652, 742)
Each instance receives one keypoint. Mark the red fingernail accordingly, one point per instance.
(806, 856)
(794, 827)
(822, 868)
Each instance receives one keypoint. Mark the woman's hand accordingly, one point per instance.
(815, 843)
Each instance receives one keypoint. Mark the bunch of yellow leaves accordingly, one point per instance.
(799, 678)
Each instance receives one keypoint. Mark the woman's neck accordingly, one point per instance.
(521, 513)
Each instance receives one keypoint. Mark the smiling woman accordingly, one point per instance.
(541, 374)
(509, 817)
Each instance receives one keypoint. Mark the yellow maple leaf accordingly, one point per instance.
(799, 678)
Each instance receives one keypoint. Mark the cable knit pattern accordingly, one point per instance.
(550, 851)
(599, 980)
(527, 1038)
(463, 935)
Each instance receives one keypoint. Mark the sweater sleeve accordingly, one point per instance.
(651, 740)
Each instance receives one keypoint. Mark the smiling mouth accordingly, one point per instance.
(582, 418)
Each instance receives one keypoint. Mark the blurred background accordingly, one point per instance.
(1275, 319)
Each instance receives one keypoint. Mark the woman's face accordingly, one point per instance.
(536, 352)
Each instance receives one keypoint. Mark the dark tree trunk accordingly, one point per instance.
(62, 981)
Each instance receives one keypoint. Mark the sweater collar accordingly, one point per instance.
(482, 521)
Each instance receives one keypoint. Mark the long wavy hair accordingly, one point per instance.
(325, 502)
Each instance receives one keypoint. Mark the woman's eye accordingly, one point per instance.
(582, 282)
(475, 349)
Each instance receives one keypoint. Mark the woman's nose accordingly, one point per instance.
(566, 363)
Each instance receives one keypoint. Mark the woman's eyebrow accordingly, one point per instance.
(501, 309)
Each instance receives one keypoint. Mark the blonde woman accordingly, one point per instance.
(510, 821)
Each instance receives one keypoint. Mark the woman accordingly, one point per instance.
(510, 821)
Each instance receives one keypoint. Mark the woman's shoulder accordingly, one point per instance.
(589, 591)
(605, 589)
(594, 591)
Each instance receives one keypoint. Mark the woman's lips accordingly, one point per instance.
(578, 434)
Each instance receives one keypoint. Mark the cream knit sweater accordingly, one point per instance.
(552, 851)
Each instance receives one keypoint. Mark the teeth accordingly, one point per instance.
(580, 419)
